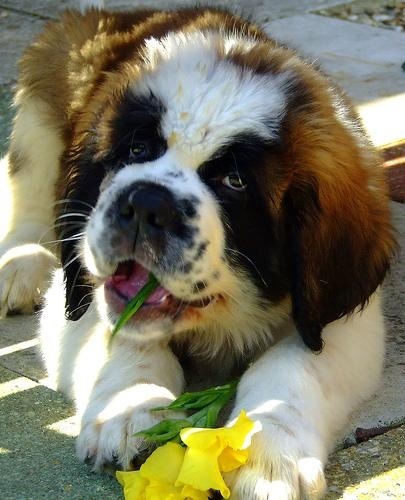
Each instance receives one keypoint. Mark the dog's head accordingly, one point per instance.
(238, 176)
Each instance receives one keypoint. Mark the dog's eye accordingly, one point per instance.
(234, 182)
(138, 151)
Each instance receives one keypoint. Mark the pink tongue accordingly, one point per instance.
(128, 282)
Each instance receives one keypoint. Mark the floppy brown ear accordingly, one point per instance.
(338, 223)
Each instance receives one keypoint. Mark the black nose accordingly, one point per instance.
(148, 206)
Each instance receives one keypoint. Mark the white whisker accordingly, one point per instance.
(80, 307)
(73, 214)
(73, 200)
(71, 261)
(75, 237)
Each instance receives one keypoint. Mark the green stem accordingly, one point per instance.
(135, 304)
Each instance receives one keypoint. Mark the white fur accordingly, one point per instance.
(113, 389)
(210, 225)
(244, 306)
(301, 399)
(25, 273)
(24, 267)
(208, 99)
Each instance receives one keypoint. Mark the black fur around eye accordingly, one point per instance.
(138, 152)
(234, 181)
(136, 135)
(229, 172)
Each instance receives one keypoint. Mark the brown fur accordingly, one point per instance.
(327, 186)
(325, 182)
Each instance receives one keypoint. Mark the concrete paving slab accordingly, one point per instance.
(40, 8)
(6, 115)
(373, 470)
(388, 111)
(364, 60)
(263, 9)
(16, 31)
(19, 347)
(37, 458)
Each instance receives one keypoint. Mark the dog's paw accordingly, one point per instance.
(107, 436)
(284, 478)
(283, 464)
(25, 273)
(112, 441)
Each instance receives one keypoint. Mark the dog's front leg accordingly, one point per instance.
(133, 380)
(303, 400)
(27, 204)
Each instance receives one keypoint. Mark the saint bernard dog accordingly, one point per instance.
(191, 145)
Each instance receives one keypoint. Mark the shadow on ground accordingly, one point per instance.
(37, 457)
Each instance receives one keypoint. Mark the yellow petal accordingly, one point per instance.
(133, 484)
(237, 436)
(231, 459)
(164, 464)
(162, 491)
(202, 438)
(200, 470)
(190, 493)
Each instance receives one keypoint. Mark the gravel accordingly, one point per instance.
(389, 14)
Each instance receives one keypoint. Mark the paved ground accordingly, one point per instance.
(36, 428)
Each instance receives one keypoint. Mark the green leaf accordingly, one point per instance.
(200, 399)
(164, 431)
(209, 403)
(135, 304)
(189, 403)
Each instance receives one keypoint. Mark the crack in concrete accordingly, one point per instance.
(26, 12)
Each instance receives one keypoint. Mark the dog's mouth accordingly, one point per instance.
(126, 282)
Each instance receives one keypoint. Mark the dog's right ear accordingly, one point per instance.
(340, 235)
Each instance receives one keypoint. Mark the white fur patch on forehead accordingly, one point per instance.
(209, 99)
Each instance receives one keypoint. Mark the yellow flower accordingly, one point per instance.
(173, 472)
(156, 478)
(212, 451)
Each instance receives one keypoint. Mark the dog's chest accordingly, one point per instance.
(202, 370)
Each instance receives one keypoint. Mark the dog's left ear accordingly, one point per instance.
(78, 289)
(80, 192)
(339, 232)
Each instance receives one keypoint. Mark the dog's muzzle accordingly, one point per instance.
(148, 212)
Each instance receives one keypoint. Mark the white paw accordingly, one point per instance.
(283, 464)
(25, 273)
(283, 478)
(107, 434)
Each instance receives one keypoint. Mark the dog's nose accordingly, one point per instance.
(148, 206)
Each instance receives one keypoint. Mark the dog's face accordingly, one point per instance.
(227, 168)
(184, 149)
